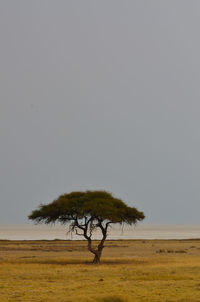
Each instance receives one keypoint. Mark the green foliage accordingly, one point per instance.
(97, 205)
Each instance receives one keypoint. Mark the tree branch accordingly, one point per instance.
(76, 231)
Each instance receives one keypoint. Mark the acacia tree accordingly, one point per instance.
(86, 212)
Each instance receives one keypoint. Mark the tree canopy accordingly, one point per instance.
(86, 212)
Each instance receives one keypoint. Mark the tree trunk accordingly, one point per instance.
(97, 252)
(97, 257)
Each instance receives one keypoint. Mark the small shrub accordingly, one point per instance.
(176, 251)
(160, 251)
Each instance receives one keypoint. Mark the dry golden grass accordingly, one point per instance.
(131, 270)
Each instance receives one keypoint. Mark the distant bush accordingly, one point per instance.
(160, 251)
(171, 251)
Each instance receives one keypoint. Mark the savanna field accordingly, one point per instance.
(131, 270)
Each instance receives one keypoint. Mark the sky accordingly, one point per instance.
(100, 95)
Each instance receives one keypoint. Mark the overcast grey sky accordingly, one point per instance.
(100, 95)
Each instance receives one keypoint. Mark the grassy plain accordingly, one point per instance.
(131, 270)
